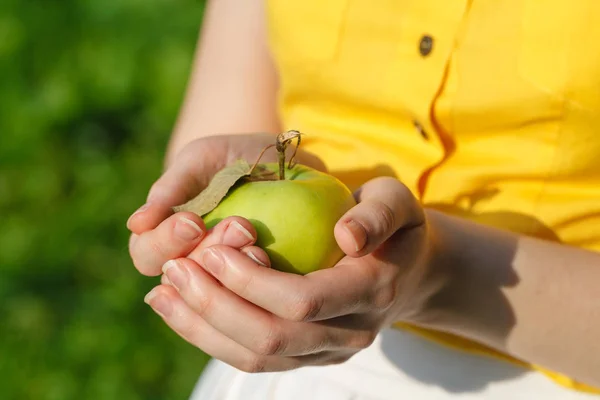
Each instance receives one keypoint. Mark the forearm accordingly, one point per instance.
(233, 83)
(538, 301)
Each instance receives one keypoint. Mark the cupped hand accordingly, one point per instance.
(260, 319)
(157, 234)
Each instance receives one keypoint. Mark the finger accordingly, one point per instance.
(167, 303)
(236, 232)
(174, 237)
(181, 181)
(257, 255)
(263, 333)
(148, 217)
(349, 287)
(180, 234)
(384, 206)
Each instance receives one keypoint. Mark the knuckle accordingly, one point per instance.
(201, 304)
(372, 275)
(190, 333)
(254, 364)
(155, 248)
(306, 308)
(245, 284)
(403, 190)
(339, 360)
(273, 344)
(385, 217)
(362, 340)
(400, 189)
(406, 201)
(384, 298)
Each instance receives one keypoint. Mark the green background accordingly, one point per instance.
(89, 91)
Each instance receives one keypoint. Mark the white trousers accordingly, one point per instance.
(399, 365)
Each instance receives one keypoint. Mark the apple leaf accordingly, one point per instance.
(221, 183)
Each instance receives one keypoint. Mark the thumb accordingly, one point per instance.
(384, 206)
(187, 175)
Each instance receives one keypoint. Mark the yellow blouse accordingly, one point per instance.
(485, 109)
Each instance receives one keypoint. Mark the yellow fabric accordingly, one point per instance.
(499, 123)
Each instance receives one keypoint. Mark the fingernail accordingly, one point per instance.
(255, 259)
(150, 296)
(212, 261)
(235, 230)
(175, 273)
(357, 233)
(139, 210)
(159, 304)
(187, 229)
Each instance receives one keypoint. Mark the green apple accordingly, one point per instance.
(294, 217)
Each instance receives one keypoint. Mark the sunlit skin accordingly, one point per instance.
(402, 262)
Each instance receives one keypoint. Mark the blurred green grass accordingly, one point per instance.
(89, 92)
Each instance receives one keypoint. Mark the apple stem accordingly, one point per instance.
(281, 144)
(281, 155)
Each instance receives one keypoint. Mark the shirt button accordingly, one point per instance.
(421, 130)
(425, 45)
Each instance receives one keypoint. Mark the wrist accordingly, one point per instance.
(428, 278)
(472, 263)
(437, 276)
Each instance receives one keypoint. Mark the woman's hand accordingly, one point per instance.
(261, 319)
(437, 271)
(157, 234)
